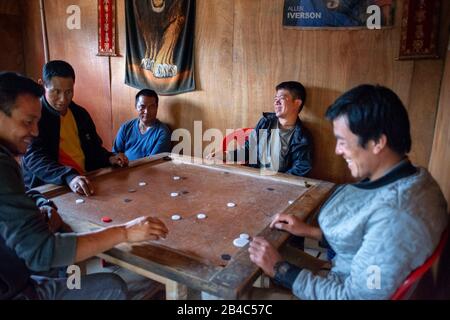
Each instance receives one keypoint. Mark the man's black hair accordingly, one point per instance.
(11, 86)
(57, 68)
(147, 93)
(372, 111)
(296, 89)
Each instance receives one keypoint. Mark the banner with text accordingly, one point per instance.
(337, 13)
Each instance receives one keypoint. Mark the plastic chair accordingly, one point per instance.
(239, 135)
(412, 280)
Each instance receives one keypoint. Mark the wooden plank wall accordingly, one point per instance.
(11, 53)
(241, 53)
(9, 7)
(32, 33)
(440, 156)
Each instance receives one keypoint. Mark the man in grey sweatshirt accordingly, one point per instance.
(380, 228)
(27, 244)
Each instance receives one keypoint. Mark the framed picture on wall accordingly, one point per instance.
(420, 29)
(107, 28)
(313, 14)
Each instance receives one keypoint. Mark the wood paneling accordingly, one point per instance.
(440, 156)
(32, 38)
(11, 53)
(10, 7)
(241, 53)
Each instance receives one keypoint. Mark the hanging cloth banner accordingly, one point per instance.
(160, 45)
(107, 28)
(420, 28)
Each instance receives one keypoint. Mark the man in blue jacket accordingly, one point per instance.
(279, 142)
(27, 245)
(68, 145)
(145, 135)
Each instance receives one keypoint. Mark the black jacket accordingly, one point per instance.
(14, 274)
(299, 155)
(40, 163)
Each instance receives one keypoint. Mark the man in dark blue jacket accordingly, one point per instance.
(68, 145)
(279, 143)
(27, 245)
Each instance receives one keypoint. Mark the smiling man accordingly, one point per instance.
(388, 223)
(279, 142)
(27, 243)
(145, 135)
(68, 145)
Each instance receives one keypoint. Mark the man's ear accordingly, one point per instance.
(40, 82)
(299, 102)
(380, 144)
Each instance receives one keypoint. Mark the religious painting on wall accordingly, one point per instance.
(160, 45)
(372, 14)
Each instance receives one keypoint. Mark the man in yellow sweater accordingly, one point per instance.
(68, 145)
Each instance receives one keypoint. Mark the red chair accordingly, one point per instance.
(409, 285)
(239, 135)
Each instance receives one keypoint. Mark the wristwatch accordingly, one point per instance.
(285, 273)
(281, 268)
(49, 203)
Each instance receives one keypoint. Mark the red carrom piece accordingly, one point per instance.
(106, 219)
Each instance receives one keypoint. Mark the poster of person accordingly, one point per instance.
(160, 45)
(338, 13)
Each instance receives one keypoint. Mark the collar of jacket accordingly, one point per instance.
(402, 170)
(270, 116)
(6, 151)
(50, 109)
